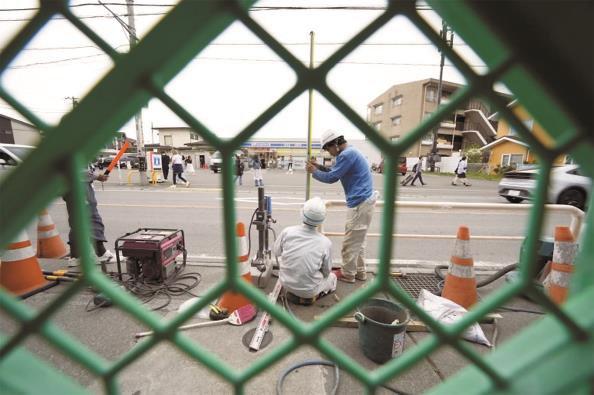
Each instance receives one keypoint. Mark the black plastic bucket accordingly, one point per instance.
(380, 338)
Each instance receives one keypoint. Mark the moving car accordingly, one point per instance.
(402, 169)
(11, 155)
(567, 186)
(216, 162)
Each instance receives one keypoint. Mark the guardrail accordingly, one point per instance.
(577, 216)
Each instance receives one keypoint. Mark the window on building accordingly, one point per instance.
(168, 140)
(377, 125)
(512, 160)
(428, 137)
(397, 101)
(396, 120)
(431, 95)
(528, 123)
(378, 109)
(194, 136)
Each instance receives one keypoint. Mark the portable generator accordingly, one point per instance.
(151, 254)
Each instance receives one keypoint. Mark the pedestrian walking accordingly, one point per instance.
(461, 172)
(257, 167)
(97, 225)
(177, 165)
(202, 162)
(238, 169)
(290, 165)
(189, 165)
(305, 267)
(165, 160)
(353, 171)
(418, 170)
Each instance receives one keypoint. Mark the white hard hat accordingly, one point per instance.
(328, 136)
(313, 212)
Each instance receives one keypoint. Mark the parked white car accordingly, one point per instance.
(567, 186)
(11, 155)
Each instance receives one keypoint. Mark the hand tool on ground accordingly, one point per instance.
(60, 278)
(262, 327)
(238, 317)
(61, 273)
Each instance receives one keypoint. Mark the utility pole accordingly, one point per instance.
(309, 117)
(137, 116)
(73, 99)
(444, 36)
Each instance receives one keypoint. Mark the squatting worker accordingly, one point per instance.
(353, 171)
(306, 256)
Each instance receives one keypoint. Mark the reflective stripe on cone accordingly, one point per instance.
(49, 243)
(20, 272)
(565, 250)
(233, 300)
(460, 282)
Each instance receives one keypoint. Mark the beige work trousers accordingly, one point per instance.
(355, 237)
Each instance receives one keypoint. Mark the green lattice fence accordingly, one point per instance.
(554, 355)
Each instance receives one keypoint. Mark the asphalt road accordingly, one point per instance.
(198, 211)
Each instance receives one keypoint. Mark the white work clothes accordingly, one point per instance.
(177, 160)
(305, 257)
(355, 236)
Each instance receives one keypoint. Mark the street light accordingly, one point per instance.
(450, 42)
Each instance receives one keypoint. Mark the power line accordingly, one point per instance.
(244, 60)
(254, 8)
(240, 44)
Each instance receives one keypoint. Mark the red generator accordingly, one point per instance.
(151, 254)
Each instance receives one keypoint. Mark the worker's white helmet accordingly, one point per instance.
(329, 136)
(313, 212)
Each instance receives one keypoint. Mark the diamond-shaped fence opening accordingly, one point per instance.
(144, 72)
(213, 79)
(48, 67)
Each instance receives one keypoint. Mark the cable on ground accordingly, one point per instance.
(497, 275)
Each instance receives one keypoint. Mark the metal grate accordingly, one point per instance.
(412, 283)
(527, 365)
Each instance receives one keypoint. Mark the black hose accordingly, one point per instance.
(283, 376)
(285, 373)
(497, 275)
(250, 233)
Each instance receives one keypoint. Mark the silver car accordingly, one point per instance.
(11, 155)
(567, 186)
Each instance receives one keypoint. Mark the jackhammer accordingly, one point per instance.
(263, 258)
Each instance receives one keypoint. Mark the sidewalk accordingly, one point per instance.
(164, 369)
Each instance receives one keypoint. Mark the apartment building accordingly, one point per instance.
(401, 108)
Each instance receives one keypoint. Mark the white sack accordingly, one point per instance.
(448, 312)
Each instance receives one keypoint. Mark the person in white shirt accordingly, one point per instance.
(177, 165)
(461, 172)
(305, 257)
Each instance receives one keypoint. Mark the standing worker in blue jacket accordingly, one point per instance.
(353, 171)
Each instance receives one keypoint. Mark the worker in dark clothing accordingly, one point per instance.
(165, 160)
(239, 168)
(97, 226)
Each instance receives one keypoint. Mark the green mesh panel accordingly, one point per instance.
(525, 364)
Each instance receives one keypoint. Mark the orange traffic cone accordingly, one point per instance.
(49, 243)
(460, 283)
(20, 272)
(564, 253)
(232, 300)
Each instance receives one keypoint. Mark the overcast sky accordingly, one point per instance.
(232, 81)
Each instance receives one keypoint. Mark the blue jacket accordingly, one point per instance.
(353, 172)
